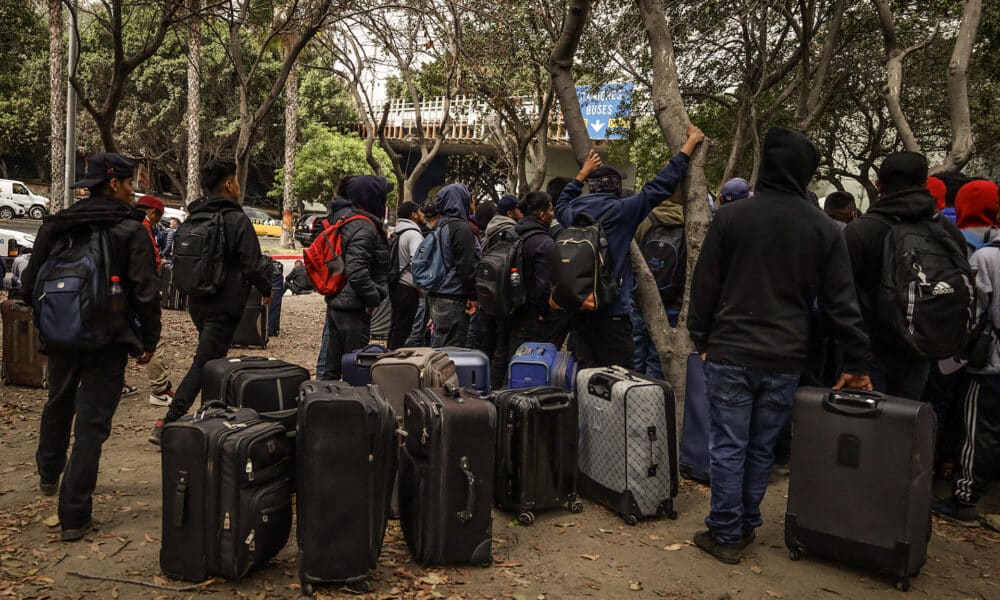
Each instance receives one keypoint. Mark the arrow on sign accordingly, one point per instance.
(598, 126)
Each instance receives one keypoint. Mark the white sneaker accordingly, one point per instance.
(129, 390)
(163, 399)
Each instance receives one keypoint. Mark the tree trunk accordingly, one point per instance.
(57, 106)
(561, 69)
(193, 113)
(963, 145)
(291, 137)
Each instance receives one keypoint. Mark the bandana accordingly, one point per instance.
(609, 184)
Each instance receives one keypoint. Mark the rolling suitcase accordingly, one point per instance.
(170, 297)
(356, 366)
(472, 367)
(628, 442)
(267, 385)
(694, 461)
(446, 476)
(346, 464)
(860, 484)
(399, 371)
(227, 490)
(252, 329)
(537, 432)
(536, 364)
(22, 363)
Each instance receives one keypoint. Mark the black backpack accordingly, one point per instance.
(501, 293)
(72, 292)
(927, 295)
(395, 272)
(582, 279)
(665, 250)
(200, 254)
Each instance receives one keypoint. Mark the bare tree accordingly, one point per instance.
(193, 113)
(57, 105)
(291, 139)
(561, 70)
(962, 146)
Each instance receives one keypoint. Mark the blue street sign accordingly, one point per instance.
(605, 109)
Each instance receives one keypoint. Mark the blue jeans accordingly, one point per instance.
(748, 409)
(323, 369)
(645, 358)
(418, 334)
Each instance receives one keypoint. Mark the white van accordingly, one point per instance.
(34, 206)
(13, 243)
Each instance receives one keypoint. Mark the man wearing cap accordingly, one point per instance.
(604, 337)
(902, 178)
(496, 332)
(735, 189)
(161, 392)
(86, 382)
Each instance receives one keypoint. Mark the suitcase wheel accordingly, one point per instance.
(631, 520)
(526, 518)
(903, 584)
(795, 554)
(576, 507)
(307, 589)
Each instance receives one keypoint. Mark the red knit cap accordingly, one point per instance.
(150, 202)
(937, 189)
(976, 205)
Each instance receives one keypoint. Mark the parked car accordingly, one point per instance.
(263, 224)
(13, 243)
(34, 206)
(308, 228)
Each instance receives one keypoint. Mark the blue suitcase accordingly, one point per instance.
(356, 367)
(541, 364)
(695, 434)
(472, 366)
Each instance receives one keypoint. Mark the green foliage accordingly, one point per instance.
(24, 85)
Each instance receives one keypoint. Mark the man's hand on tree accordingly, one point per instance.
(695, 137)
(590, 165)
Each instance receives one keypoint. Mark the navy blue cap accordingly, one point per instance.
(506, 204)
(105, 166)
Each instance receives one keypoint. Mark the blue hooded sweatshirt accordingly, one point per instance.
(622, 216)
(461, 249)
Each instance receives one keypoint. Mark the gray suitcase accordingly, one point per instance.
(628, 443)
(860, 483)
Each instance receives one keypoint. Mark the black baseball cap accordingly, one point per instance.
(105, 166)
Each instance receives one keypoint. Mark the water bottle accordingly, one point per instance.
(515, 278)
(117, 294)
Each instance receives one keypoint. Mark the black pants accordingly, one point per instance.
(349, 330)
(496, 345)
(89, 386)
(980, 453)
(405, 300)
(602, 340)
(555, 328)
(215, 335)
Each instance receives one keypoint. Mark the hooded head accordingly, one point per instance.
(605, 180)
(788, 162)
(937, 189)
(902, 171)
(976, 205)
(368, 192)
(454, 200)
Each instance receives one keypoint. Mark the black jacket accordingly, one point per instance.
(245, 266)
(765, 262)
(537, 276)
(865, 242)
(300, 279)
(132, 256)
(366, 259)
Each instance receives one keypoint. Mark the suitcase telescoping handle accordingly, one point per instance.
(464, 516)
(854, 403)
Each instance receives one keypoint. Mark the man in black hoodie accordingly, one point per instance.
(895, 370)
(366, 263)
(86, 381)
(218, 315)
(764, 262)
(528, 323)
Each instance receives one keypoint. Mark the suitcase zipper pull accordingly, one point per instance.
(251, 545)
(225, 522)
(401, 433)
(424, 436)
(249, 470)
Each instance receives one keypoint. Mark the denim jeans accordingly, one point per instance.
(418, 334)
(748, 409)
(903, 377)
(451, 324)
(645, 358)
(322, 370)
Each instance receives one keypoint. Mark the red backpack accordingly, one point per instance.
(324, 258)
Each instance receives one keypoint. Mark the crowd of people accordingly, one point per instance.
(784, 294)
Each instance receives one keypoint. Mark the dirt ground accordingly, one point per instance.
(561, 556)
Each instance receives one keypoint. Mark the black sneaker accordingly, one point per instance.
(157, 433)
(727, 553)
(953, 510)
(747, 539)
(72, 535)
(48, 489)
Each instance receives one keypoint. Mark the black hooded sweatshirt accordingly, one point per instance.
(366, 248)
(132, 259)
(765, 262)
(245, 266)
(866, 241)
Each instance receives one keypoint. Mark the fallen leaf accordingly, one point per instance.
(756, 570)
(160, 581)
(771, 594)
(992, 521)
(52, 521)
(433, 579)
(590, 556)
(635, 586)
(673, 547)
(150, 538)
(655, 537)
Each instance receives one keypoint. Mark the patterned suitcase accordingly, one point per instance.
(694, 458)
(472, 367)
(541, 364)
(22, 364)
(628, 442)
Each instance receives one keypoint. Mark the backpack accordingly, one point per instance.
(200, 254)
(427, 265)
(665, 250)
(324, 258)
(500, 293)
(395, 272)
(72, 303)
(926, 296)
(582, 279)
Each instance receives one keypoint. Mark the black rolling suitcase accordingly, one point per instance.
(446, 476)
(226, 493)
(267, 385)
(346, 465)
(252, 329)
(170, 297)
(860, 483)
(536, 462)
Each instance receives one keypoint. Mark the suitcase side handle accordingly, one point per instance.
(367, 359)
(555, 402)
(180, 493)
(600, 385)
(464, 516)
(858, 403)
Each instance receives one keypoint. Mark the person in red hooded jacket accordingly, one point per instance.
(976, 212)
(160, 388)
